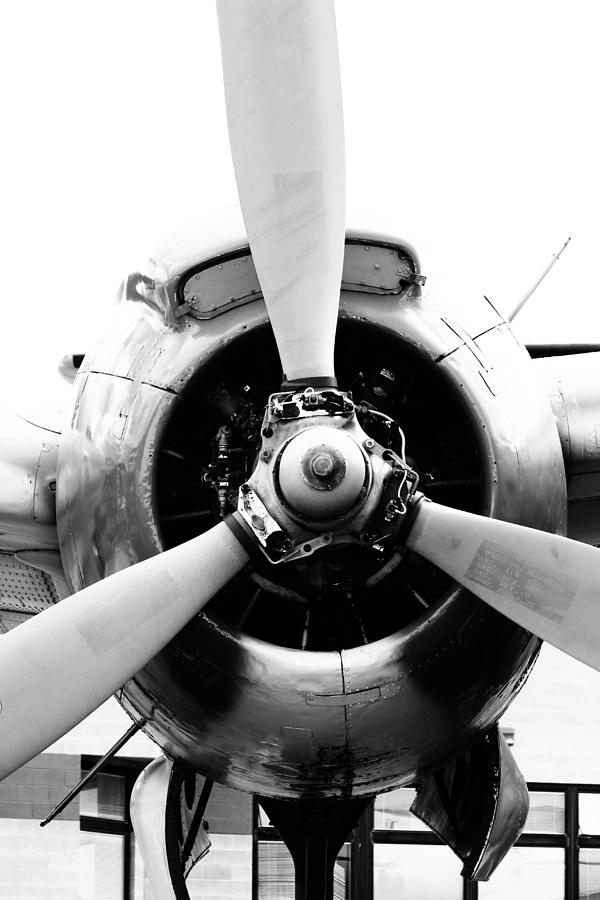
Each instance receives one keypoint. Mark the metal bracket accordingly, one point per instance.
(277, 544)
(272, 539)
(307, 404)
(396, 500)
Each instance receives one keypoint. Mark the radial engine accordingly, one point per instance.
(338, 663)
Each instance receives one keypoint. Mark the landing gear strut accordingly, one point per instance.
(314, 832)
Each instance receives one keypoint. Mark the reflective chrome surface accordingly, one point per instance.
(28, 458)
(572, 385)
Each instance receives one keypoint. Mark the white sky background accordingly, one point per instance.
(471, 131)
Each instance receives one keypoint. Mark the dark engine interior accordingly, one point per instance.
(346, 595)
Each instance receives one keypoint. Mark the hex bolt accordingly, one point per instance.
(265, 455)
(323, 465)
(368, 443)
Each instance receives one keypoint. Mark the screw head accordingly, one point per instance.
(257, 523)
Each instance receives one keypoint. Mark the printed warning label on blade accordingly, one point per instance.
(547, 591)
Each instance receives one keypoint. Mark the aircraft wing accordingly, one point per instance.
(31, 575)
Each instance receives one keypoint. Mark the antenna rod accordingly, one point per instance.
(526, 297)
(93, 771)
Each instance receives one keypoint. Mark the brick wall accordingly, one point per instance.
(229, 811)
(44, 863)
(226, 873)
(39, 863)
(34, 790)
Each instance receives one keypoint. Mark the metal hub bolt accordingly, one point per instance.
(323, 465)
(321, 472)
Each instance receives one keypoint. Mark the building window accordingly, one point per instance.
(273, 867)
(110, 868)
(391, 855)
(102, 866)
(557, 857)
(409, 860)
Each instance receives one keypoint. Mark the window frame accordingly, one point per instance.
(365, 836)
(128, 768)
(360, 871)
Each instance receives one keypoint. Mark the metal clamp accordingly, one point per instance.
(309, 403)
(272, 539)
(396, 500)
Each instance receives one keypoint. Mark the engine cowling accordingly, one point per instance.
(348, 672)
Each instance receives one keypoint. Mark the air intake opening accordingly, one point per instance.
(340, 597)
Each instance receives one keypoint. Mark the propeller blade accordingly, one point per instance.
(548, 584)
(60, 665)
(284, 110)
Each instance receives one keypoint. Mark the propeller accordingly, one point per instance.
(280, 66)
(283, 96)
(548, 584)
(61, 664)
(284, 110)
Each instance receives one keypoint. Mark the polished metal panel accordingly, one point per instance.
(283, 721)
(572, 385)
(571, 382)
(105, 486)
(28, 456)
(229, 281)
(477, 804)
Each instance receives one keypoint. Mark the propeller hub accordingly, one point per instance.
(322, 472)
